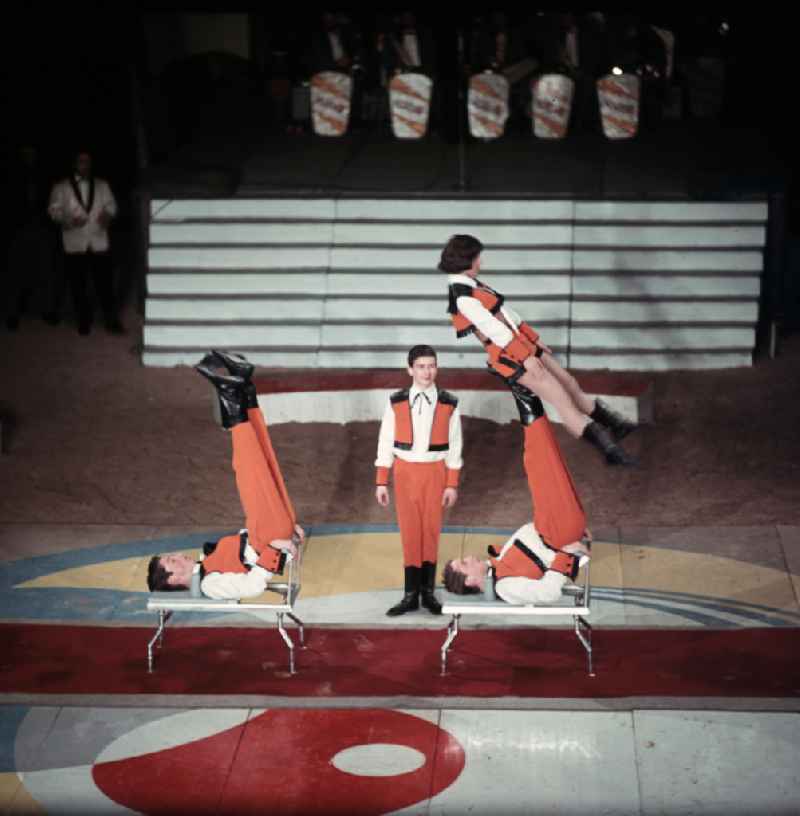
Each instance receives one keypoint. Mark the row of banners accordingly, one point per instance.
(487, 103)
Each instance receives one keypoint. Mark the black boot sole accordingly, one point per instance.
(410, 603)
(235, 366)
(401, 609)
(433, 606)
(621, 459)
(621, 434)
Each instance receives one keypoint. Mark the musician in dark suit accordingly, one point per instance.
(334, 45)
(337, 46)
(496, 45)
(409, 47)
(578, 47)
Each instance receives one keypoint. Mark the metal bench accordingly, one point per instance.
(574, 603)
(166, 603)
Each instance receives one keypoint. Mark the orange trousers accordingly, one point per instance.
(557, 512)
(418, 491)
(268, 511)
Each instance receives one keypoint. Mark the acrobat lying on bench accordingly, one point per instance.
(525, 579)
(258, 581)
(534, 571)
(237, 566)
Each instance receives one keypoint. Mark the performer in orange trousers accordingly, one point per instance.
(420, 438)
(240, 565)
(537, 560)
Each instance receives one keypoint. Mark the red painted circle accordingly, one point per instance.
(281, 762)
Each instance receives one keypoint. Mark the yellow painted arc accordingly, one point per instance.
(14, 797)
(362, 562)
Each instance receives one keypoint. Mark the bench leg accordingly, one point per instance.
(301, 630)
(452, 633)
(288, 641)
(583, 629)
(158, 638)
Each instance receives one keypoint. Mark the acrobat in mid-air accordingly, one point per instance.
(518, 355)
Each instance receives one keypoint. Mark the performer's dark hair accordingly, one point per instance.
(455, 581)
(158, 577)
(420, 351)
(459, 253)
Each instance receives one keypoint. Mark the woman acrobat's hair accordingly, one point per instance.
(459, 253)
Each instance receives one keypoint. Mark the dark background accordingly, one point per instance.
(118, 81)
(88, 75)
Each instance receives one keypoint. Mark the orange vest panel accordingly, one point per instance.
(404, 428)
(226, 556)
(488, 298)
(520, 561)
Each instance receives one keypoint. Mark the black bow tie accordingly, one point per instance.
(417, 396)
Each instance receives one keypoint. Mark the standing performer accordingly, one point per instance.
(518, 355)
(421, 436)
(240, 566)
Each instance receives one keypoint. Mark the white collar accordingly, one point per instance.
(460, 277)
(431, 393)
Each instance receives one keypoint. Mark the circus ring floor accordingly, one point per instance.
(694, 707)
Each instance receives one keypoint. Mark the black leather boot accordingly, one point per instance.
(231, 394)
(528, 404)
(250, 395)
(428, 582)
(410, 600)
(601, 438)
(235, 363)
(238, 366)
(616, 423)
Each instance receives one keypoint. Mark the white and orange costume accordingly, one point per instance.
(240, 566)
(420, 437)
(527, 570)
(476, 308)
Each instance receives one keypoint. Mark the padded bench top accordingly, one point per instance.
(184, 600)
(481, 605)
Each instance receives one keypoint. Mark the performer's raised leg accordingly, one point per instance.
(237, 365)
(267, 515)
(557, 511)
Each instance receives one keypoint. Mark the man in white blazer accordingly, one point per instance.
(84, 206)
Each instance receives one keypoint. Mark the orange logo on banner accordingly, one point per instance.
(619, 105)
(409, 99)
(330, 102)
(487, 104)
